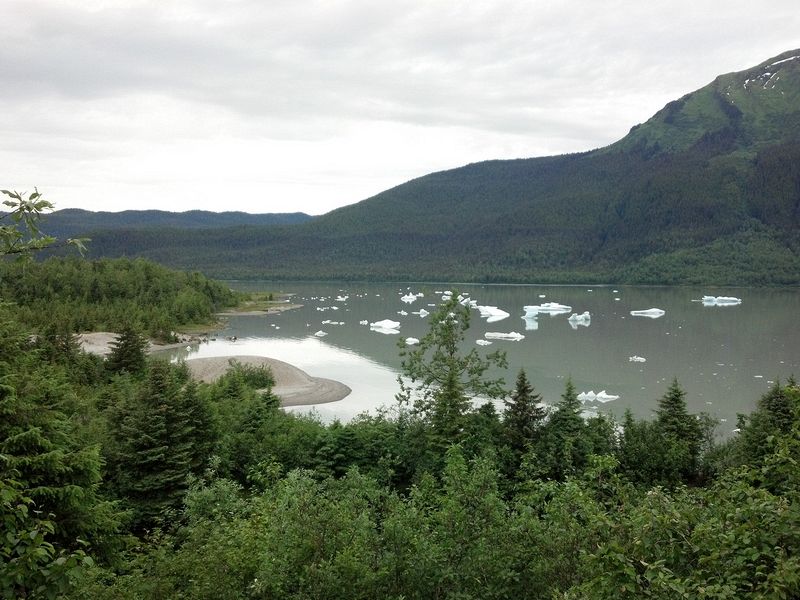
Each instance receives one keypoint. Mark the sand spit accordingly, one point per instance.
(293, 386)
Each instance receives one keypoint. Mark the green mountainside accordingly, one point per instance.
(71, 222)
(706, 191)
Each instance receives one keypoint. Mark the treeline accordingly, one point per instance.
(74, 295)
(124, 478)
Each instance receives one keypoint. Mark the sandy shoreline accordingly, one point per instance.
(293, 386)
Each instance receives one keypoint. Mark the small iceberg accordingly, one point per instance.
(320, 334)
(402, 313)
(342, 298)
(720, 301)
(638, 359)
(512, 336)
(651, 313)
(552, 308)
(601, 396)
(386, 327)
(386, 324)
(531, 324)
(492, 314)
(483, 342)
(364, 322)
(584, 319)
(409, 298)
(411, 341)
(422, 313)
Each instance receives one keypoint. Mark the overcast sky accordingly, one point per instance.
(282, 106)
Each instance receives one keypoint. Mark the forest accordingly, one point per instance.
(123, 478)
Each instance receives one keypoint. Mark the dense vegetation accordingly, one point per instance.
(708, 190)
(70, 295)
(70, 222)
(124, 478)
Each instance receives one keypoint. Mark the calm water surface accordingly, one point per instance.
(724, 357)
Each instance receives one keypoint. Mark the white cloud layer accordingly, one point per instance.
(297, 105)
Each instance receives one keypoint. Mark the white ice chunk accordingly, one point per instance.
(411, 341)
(583, 319)
(511, 336)
(652, 313)
(422, 313)
(384, 330)
(635, 358)
(483, 342)
(531, 324)
(492, 314)
(603, 397)
(720, 301)
(320, 334)
(386, 324)
(552, 308)
(402, 313)
(342, 298)
(542, 296)
(409, 298)
(364, 322)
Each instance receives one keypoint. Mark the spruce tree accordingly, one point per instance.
(523, 414)
(156, 438)
(128, 352)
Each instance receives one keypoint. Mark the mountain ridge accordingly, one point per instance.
(705, 191)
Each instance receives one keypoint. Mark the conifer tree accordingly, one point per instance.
(523, 414)
(128, 352)
(156, 442)
(444, 378)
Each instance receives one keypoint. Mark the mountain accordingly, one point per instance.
(72, 222)
(706, 191)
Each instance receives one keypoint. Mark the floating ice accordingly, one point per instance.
(402, 313)
(320, 334)
(384, 330)
(510, 336)
(720, 301)
(601, 396)
(422, 313)
(342, 298)
(483, 342)
(652, 313)
(552, 308)
(386, 324)
(542, 296)
(635, 358)
(531, 324)
(364, 322)
(583, 319)
(492, 314)
(411, 341)
(409, 298)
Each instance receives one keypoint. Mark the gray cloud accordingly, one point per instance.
(84, 77)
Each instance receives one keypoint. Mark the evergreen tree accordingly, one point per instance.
(128, 352)
(523, 414)
(446, 378)
(156, 438)
(563, 447)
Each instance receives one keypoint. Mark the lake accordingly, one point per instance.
(725, 357)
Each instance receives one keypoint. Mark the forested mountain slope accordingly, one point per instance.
(71, 222)
(707, 190)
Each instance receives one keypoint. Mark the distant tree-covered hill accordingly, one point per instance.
(706, 191)
(72, 222)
